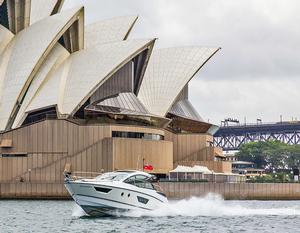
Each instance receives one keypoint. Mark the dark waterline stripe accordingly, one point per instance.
(112, 201)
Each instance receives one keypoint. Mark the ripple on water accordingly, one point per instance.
(210, 214)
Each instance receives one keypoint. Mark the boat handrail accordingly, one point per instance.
(81, 172)
(76, 175)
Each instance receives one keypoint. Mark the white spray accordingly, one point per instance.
(211, 205)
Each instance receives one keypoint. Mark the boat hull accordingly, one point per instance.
(95, 206)
(111, 200)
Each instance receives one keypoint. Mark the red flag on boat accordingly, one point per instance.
(148, 167)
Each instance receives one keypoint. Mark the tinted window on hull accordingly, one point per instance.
(102, 190)
(142, 200)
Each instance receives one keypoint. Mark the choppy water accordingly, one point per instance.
(209, 214)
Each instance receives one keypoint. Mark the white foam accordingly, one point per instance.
(212, 205)
(78, 211)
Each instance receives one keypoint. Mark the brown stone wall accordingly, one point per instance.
(177, 190)
(50, 144)
(205, 154)
(185, 145)
(34, 190)
(238, 191)
(128, 153)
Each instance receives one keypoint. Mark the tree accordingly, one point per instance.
(293, 160)
(271, 154)
(252, 152)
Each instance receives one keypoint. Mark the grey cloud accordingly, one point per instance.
(258, 38)
(266, 99)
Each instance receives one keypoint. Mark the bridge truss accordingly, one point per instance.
(232, 137)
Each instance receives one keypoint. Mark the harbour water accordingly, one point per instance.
(209, 214)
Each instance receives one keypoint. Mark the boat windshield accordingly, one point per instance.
(113, 176)
(140, 181)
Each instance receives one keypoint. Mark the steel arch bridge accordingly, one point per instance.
(232, 137)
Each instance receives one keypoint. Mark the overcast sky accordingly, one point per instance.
(254, 75)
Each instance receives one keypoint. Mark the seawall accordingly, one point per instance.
(234, 191)
(177, 190)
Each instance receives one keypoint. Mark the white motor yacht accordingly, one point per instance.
(112, 192)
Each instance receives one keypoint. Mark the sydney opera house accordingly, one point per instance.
(90, 97)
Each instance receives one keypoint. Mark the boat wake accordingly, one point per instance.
(78, 211)
(211, 205)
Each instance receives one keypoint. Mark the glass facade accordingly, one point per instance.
(148, 136)
(4, 15)
(48, 113)
(12, 155)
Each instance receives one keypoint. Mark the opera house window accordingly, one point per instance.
(13, 155)
(149, 136)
